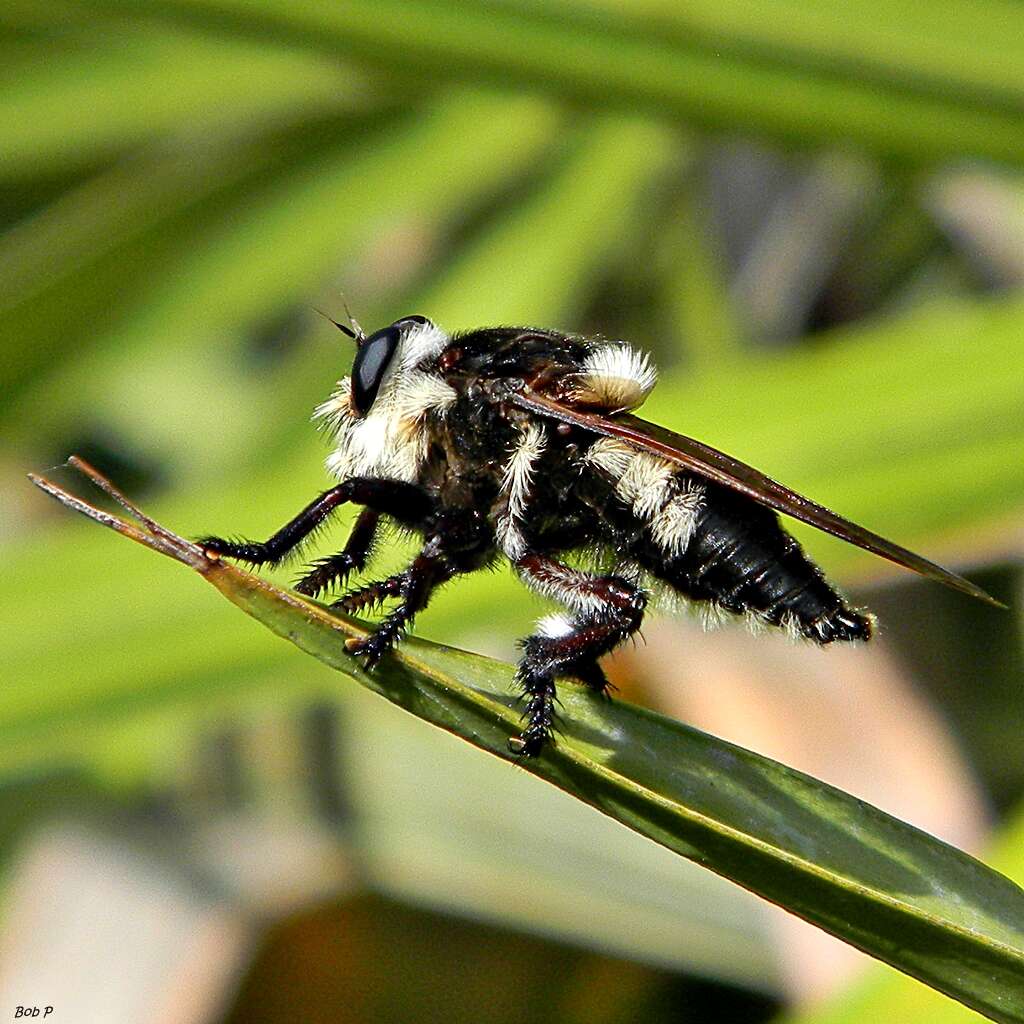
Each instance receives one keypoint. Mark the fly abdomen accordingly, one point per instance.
(712, 544)
(739, 558)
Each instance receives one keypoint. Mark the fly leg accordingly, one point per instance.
(371, 594)
(455, 543)
(415, 587)
(352, 558)
(591, 673)
(402, 501)
(605, 611)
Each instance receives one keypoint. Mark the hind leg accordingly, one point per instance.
(606, 610)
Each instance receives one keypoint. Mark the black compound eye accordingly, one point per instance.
(415, 319)
(371, 363)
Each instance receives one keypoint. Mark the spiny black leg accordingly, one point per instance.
(404, 502)
(593, 675)
(323, 573)
(291, 534)
(336, 568)
(457, 544)
(415, 586)
(610, 610)
(539, 713)
(371, 594)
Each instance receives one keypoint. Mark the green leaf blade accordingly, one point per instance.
(880, 884)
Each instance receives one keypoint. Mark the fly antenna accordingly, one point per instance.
(359, 334)
(341, 327)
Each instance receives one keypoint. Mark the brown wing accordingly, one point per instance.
(724, 469)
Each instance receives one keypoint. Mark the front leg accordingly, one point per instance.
(404, 502)
(605, 611)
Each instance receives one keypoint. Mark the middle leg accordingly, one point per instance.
(415, 586)
(457, 542)
(352, 558)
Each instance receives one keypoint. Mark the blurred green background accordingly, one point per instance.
(812, 214)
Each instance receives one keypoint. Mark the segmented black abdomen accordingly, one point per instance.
(740, 558)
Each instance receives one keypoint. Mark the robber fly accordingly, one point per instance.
(519, 443)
